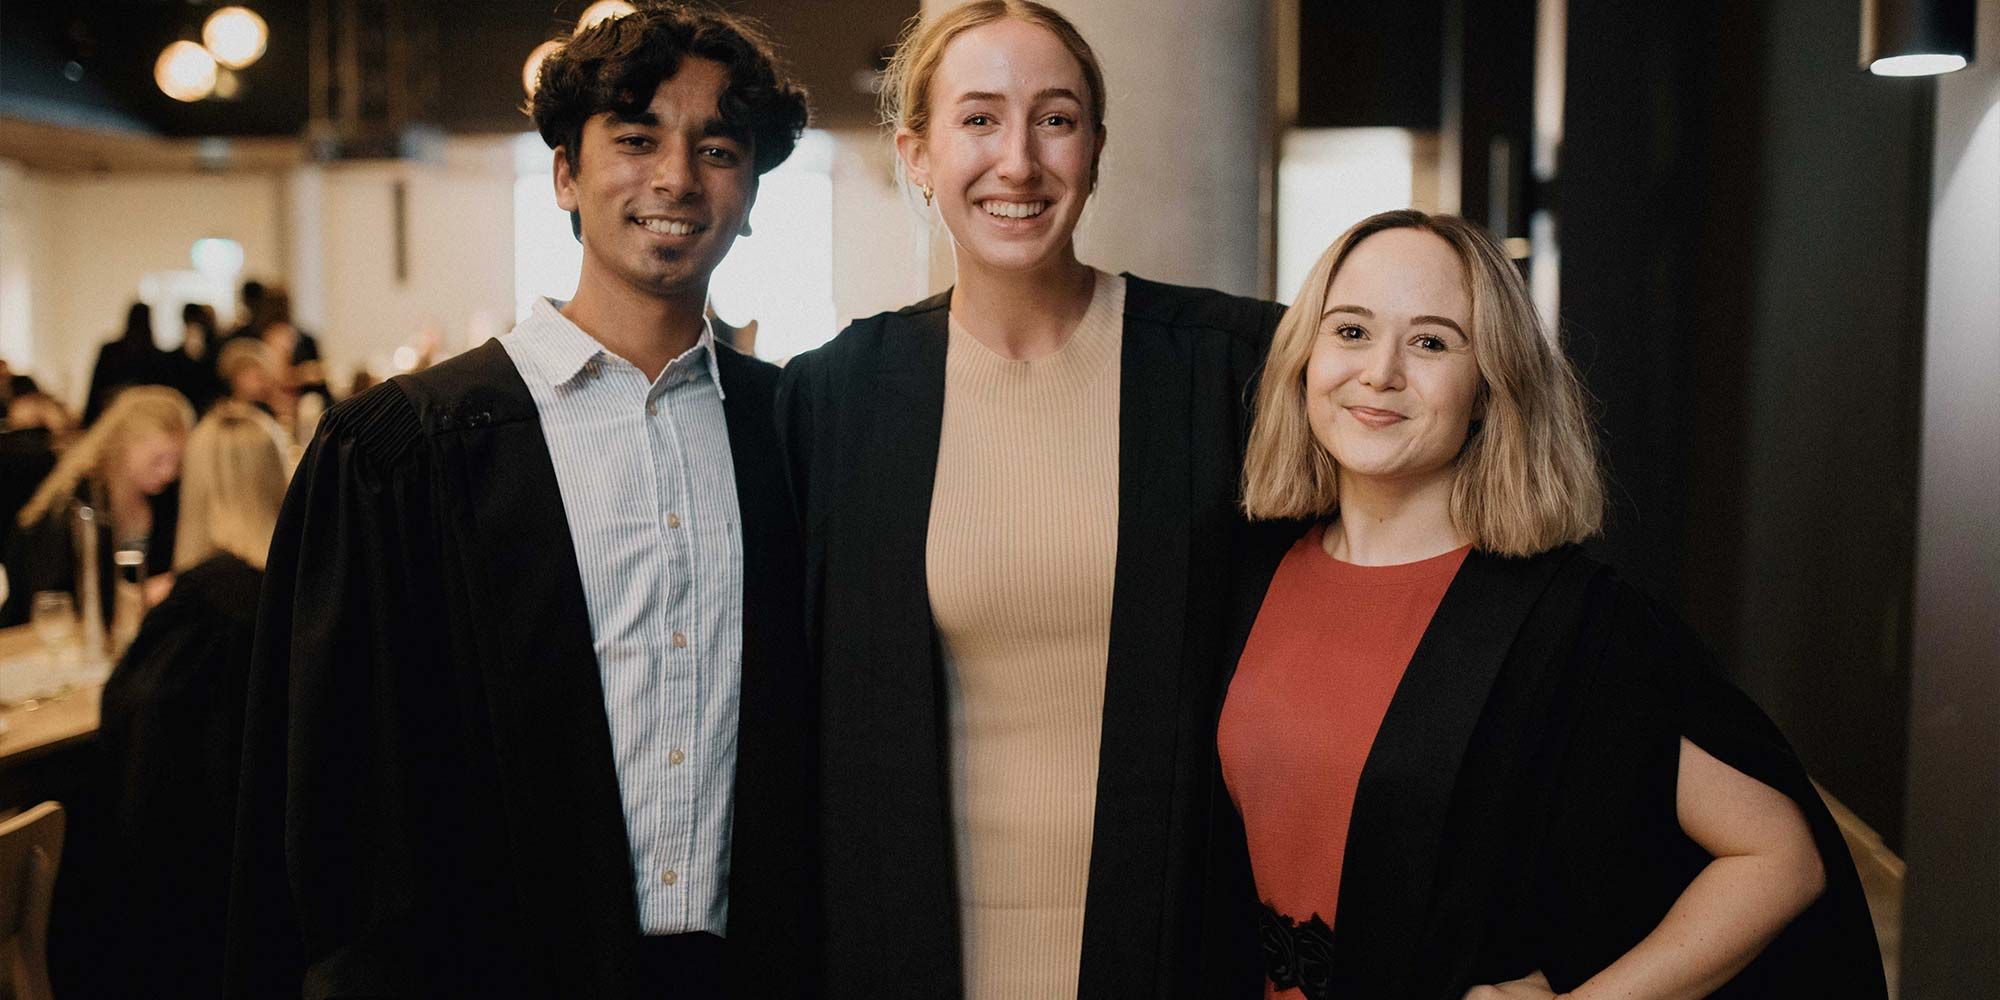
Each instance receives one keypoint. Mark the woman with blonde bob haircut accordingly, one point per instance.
(1528, 479)
(1019, 508)
(172, 729)
(1470, 762)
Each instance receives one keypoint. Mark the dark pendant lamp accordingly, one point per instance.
(1916, 37)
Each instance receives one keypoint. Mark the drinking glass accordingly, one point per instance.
(53, 616)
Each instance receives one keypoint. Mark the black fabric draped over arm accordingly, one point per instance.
(330, 879)
(1518, 808)
(1616, 858)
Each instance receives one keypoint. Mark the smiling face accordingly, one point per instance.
(1392, 384)
(662, 195)
(1009, 152)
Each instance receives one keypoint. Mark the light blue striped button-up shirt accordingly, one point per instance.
(649, 489)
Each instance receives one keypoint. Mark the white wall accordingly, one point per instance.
(881, 240)
(85, 242)
(1951, 910)
(460, 239)
(79, 246)
(25, 298)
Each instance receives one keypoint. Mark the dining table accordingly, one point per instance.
(40, 736)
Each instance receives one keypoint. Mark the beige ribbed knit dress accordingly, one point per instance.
(1023, 541)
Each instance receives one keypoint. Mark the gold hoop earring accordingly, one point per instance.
(927, 197)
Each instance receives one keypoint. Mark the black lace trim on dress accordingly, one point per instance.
(1297, 955)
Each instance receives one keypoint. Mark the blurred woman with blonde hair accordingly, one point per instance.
(124, 469)
(172, 725)
(1471, 763)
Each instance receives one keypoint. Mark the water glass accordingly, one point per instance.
(53, 617)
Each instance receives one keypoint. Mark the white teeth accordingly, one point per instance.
(668, 227)
(1014, 209)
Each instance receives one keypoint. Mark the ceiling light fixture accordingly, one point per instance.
(531, 71)
(1916, 37)
(236, 36)
(603, 10)
(185, 72)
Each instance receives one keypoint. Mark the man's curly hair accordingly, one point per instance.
(617, 65)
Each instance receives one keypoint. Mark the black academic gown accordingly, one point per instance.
(1516, 811)
(170, 745)
(429, 803)
(1167, 911)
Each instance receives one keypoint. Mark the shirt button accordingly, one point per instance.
(680, 641)
(673, 520)
(652, 410)
(668, 877)
(675, 757)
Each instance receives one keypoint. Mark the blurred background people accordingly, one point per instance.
(125, 467)
(294, 353)
(191, 368)
(27, 447)
(171, 735)
(250, 373)
(251, 295)
(270, 319)
(131, 359)
(9, 387)
(37, 410)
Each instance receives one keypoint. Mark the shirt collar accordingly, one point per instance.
(560, 350)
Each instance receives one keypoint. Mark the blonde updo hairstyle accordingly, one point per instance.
(1527, 478)
(135, 413)
(906, 84)
(233, 481)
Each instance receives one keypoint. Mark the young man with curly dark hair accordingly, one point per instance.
(530, 712)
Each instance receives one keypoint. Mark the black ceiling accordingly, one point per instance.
(90, 62)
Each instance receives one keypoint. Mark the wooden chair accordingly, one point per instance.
(30, 849)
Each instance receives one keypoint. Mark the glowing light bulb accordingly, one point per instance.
(531, 71)
(603, 10)
(185, 72)
(235, 36)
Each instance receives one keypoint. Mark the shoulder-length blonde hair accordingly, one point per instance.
(232, 483)
(134, 413)
(1527, 479)
(906, 84)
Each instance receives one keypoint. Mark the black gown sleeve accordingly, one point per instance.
(1616, 858)
(328, 889)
